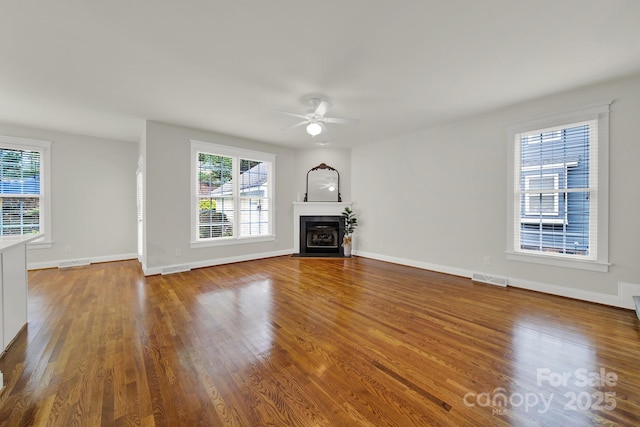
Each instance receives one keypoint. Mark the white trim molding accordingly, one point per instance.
(167, 269)
(598, 257)
(623, 298)
(82, 261)
(418, 264)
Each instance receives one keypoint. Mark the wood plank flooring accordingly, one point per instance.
(313, 342)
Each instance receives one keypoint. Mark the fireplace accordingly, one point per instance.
(327, 212)
(321, 235)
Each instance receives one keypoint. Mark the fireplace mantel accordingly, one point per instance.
(313, 208)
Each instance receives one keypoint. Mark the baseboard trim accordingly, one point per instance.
(78, 261)
(623, 298)
(152, 271)
(418, 264)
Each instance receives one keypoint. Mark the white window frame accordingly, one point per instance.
(236, 154)
(598, 261)
(44, 147)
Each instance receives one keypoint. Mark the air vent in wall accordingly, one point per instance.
(175, 269)
(73, 263)
(491, 280)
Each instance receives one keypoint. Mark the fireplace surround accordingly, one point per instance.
(317, 209)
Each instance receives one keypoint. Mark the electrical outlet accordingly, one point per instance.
(487, 260)
(67, 249)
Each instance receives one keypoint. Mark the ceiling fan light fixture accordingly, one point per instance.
(314, 129)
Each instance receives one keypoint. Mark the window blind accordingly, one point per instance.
(20, 192)
(254, 198)
(215, 196)
(556, 190)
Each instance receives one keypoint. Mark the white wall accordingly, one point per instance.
(93, 202)
(441, 202)
(167, 200)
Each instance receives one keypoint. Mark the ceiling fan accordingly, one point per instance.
(315, 119)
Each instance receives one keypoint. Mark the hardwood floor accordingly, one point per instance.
(313, 342)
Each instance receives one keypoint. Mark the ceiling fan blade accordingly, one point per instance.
(293, 126)
(300, 116)
(322, 108)
(339, 120)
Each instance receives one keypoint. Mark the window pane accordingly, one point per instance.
(215, 174)
(542, 203)
(253, 178)
(254, 216)
(19, 192)
(20, 215)
(556, 221)
(254, 203)
(215, 218)
(215, 191)
(542, 182)
(16, 165)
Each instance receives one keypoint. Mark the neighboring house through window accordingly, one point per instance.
(558, 202)
(541, 204)
(232, 194)
(24, 188)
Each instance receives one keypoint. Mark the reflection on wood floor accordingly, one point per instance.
(313, 342)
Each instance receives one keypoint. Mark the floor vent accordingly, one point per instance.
(74, 263)
(175, 269)
(492, 280)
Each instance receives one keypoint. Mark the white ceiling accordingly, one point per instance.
(101, 67)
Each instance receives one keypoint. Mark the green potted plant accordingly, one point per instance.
(350, 224)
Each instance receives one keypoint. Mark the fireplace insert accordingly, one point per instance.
(321, 235)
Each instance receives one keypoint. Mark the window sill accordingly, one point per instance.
(231, 241)
(557, 261)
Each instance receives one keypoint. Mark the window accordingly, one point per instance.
(231, 195)
(558, 195)
(24, 187)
